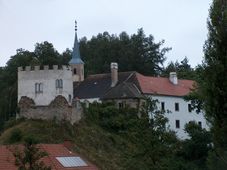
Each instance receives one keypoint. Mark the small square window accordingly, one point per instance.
(176, 106)
(189, 108)
(177, 124)
(163, 105)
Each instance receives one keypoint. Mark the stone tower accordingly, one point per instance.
(76, 63)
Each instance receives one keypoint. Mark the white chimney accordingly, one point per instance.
(114, 74)
(173, 78)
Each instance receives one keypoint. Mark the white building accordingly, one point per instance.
(128, 88)
(44, 85)
(47, 92)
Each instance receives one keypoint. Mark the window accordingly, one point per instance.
(162, 105)
(120, 105)
(176, 106)
(74, 71)
(38, 87)
(70, 98)
(200, 124)
(177, 124)
(189, 108)
(59, 83)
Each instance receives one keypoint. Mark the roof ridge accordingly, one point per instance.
(99, 74)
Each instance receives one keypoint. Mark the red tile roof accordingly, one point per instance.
(7, 160)
(162, 86)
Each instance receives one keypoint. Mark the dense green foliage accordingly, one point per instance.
(117, 139)
(136, 52)
(183, 69)
(211, 94)
(214, 85)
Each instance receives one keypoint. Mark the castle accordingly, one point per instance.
(47, 93)
(56, 92)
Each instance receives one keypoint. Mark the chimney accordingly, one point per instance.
(68, 144)
(173, 78)
(114, 74)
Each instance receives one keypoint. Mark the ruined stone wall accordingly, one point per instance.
(58, 109)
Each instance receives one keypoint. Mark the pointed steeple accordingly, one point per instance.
(76, 59)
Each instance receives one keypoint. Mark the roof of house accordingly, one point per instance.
(95, 86)
(99, 86)
(123, 91)
(162, 86)
(7, 160)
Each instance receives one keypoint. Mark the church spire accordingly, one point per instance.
(76, 59)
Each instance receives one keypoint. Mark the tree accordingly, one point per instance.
(197, 146)
(136, 52)
(29, 159)
(46, 54)
(214, 80)
(183, 69)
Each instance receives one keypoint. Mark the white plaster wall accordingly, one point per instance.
(183, 114)
(27, 80)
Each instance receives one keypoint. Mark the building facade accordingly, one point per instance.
(49, 93)
(44, 85)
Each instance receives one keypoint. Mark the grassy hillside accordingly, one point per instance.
(106, 150)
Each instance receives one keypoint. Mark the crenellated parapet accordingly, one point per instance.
(43, 68)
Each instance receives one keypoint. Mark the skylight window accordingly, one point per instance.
(71, 161)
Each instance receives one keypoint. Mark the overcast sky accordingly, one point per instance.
(181, 23)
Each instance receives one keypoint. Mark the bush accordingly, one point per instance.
(15, 136)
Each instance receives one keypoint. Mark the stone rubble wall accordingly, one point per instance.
(58, 109)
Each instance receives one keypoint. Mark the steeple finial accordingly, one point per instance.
(75, 25)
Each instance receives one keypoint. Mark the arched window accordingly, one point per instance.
(38, 87)
(59, 83)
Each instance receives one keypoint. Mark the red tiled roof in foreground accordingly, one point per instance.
(162, 86)
(7, 160)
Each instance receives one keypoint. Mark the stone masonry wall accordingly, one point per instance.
(58, 109)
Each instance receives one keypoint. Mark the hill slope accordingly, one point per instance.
(104, 149)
